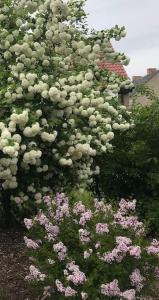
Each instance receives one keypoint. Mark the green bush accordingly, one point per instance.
(132, 169)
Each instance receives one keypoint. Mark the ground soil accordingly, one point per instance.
(14, 267)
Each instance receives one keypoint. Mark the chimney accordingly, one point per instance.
(150, 71)
(135, 78)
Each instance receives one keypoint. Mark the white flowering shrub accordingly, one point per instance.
(81, 248)
(56, 107)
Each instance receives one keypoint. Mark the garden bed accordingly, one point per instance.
(14, 267)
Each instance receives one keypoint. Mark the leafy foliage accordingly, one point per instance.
(132, 169)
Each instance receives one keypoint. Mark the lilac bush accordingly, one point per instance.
(85, 249)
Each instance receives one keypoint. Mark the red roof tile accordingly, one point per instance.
(114, 68)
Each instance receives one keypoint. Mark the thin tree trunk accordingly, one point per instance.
(97, 189)
(6, 204)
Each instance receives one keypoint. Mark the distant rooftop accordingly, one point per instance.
(151, 72)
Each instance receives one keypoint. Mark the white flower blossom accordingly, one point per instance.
(58, 109)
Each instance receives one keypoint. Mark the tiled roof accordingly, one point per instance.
(114, 68)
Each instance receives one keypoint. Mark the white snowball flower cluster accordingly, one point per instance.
(32, 156)
(20, 119)
(8, 170)
(59, 107)
(23, 198)
(65, 162)
(48, 137)
(81, 150)
(32, 131)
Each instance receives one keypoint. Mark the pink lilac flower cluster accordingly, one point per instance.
(52, 231)
(137, 280)
(102, 228)
(129, 295)
(30, 243)
(42, 219)
(112, 290)
(135, 251)
(76, 276)
(84, 235)
(28, 223)
(62, 206)
(101, 206)
(48, 201)
(68, 291)
(80, 210)
(61, 250)
(126, 206)
(87, 239)
(86, 216)
(35, 274)
(97, 245)
(87, 253)
(123, 247)
(153, 248)
(128, 222)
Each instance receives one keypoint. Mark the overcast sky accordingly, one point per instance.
(141, 19)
